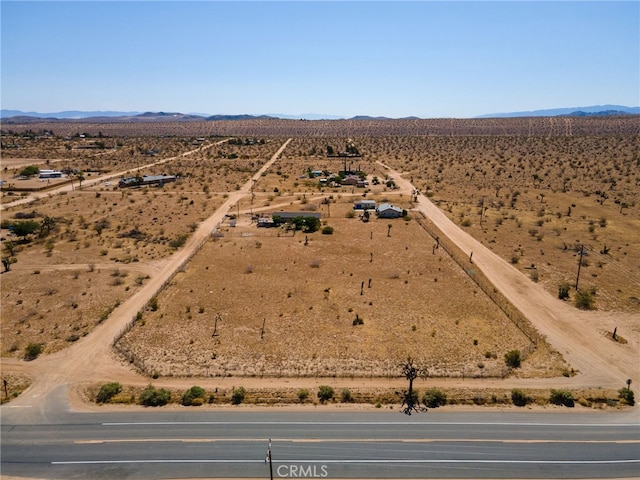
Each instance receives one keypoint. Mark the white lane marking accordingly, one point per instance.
(345, 440)
(501, 424)
(360, 461)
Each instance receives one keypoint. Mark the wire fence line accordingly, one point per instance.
(462, 259)
(130, 356)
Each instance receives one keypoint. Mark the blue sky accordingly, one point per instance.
(422, 58)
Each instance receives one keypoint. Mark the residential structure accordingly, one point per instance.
(50, 174)
(386, 210)
(364, 205)
(158, 180)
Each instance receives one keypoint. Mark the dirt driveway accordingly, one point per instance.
(578, 335)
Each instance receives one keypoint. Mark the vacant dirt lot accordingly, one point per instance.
(264, 302)
(307, 290)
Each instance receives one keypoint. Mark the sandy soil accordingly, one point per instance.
(579, 336)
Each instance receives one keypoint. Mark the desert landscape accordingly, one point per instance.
(179, 285)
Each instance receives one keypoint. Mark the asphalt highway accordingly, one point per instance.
(156, 444)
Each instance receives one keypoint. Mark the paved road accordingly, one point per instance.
(227, 444)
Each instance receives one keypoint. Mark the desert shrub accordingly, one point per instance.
(30, 171)
(563, 290)
(513, 359)
(190, 396)
(153, 304)
(346, 396)
(152, 397)
(108, 391)
(351, 214)
(178, 241)
(561, 397)
(238, 394)
(32, 351)
(466, 222)
(303, 394)
(434, 398)
(518, 397)
(325, 393)
(584, 300)
(626, 395)
(327, 230)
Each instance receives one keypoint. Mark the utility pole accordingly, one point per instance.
(269, 459)
(579, 265)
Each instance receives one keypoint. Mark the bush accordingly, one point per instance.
(327, 230)
(303, 394)
(626, 395)
(584, 300)
(179, 241)
(108, 391)
(30, 171)
(518, 398)
(563, 291)
(513, 359)
(561, 397)
(325, 393)
(150, 397)
(346, 396)
(153, 304)
(193, 394)
(238, 394)
(32, 351)
(434, 398)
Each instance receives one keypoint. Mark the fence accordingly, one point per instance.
(462, 259)
(130, 356)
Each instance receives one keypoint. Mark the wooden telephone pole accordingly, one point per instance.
(579, 265)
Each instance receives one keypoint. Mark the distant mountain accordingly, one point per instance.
(367, 117)
(239, 117)
(305, 116)
(572, 111)
(19, 116)
(72, 114)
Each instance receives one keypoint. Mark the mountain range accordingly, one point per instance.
(20, 116)
(595, 110)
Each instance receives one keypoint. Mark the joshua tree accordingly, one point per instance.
(7, 262)
(410, 402)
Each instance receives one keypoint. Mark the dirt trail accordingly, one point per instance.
(68, 187)
(92, 357)
(576, 334)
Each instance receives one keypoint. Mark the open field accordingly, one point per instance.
(285, 303)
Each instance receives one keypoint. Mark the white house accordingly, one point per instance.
(364, 205)
(49, 174)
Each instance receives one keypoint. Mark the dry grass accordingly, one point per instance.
(412, 308)
(512, 186)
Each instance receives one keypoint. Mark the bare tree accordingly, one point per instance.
(410, 401)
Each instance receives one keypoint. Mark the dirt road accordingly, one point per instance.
(577, 335)
(68, 187)
(92, 357)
